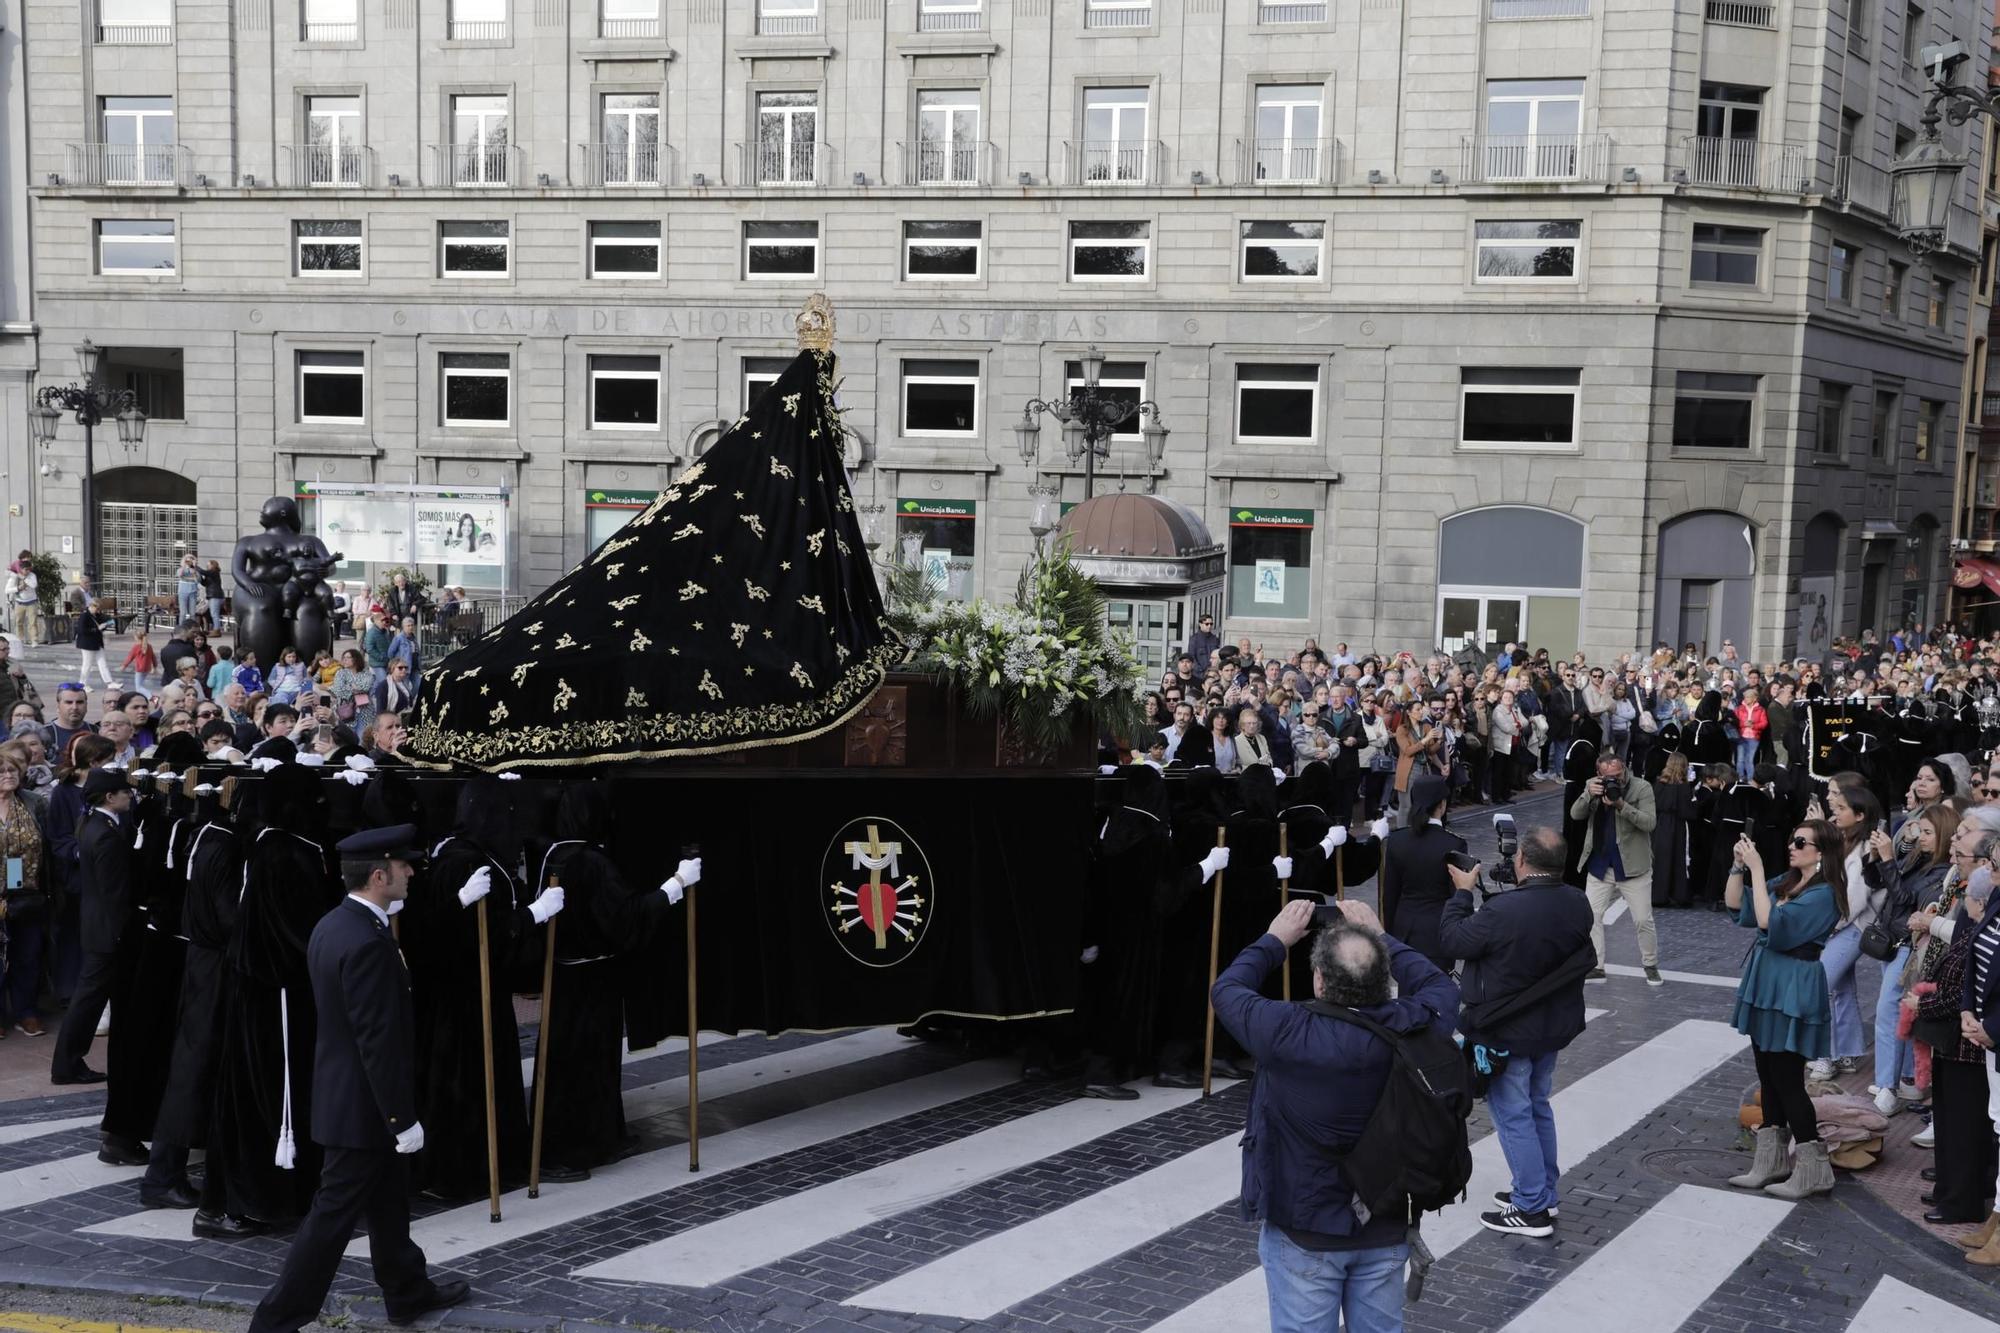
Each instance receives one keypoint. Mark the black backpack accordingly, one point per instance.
(1414, 1156)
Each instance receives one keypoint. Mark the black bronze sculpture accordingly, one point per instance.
(282, 599)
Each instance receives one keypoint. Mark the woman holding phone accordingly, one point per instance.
(1855, 815)
(1782, 1003)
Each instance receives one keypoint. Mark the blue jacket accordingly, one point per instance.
(1317, 1082)
(1520, 936)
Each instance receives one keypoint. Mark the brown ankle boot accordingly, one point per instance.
(1976, 1240)
(1987, 1255)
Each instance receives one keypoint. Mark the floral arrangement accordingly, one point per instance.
(1039, 665)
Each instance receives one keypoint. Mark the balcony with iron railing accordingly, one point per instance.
(345, 31)
(786, 23)
(785, 165)
(1989, 406)
(159, 165)
(950, 17)
(477, 30)
(1287, 162)
(1114, 162)
(934, 163)
(1862, 185)
(1291, 11)
(135, 34)
(479, 166)
(1537, 9)
(1118, 13)
(1748, 164)
(1742, 13)
(626, 29)
(625, 166)
(1506, 159)
(322, 166)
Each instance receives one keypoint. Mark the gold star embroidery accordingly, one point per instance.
(644, 568)
(737, 494)
(691, 590)
(718, 559)
(798, 673)
(614, 546)
(756, 524)
(767, 634)
(689, 531)
(618, 624)
(749, 670)
(498, 715)
(625, 603)
(815, 540)
(709, 687)
(784, 564)
(780, 470)
(697, 624)
(736, 633)
(640, 643)
(813, 603)
(634, 698)
(675, 652)
(564, 695)
(692, 474)
(791, 402)
(755, 593)
(756, 434)
(813, 433)
(521, 672)
(485, 690)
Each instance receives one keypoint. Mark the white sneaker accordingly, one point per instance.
(1909, 1092)
(1925, 1137)
(1885, 1100)
(1819, 1071)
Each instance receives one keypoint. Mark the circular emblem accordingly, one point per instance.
(876, 886)
(1965, 576)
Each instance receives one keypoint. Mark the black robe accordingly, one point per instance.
(1673, 805)
(1250, 896)
(1199, 810)
(440, 942)
(145, 1002)
(288, 885)
(213, 866)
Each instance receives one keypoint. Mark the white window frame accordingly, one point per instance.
(592, 374)
(790, 147)
(1695, 246)
(149, 153)
(343, 144)
(643, 12)
(1712, 395)
(1291, 386)
(317, 25)
(505, 240)
(1575, 392)
(1289, 99)
(468, 13)
(481, 146)
(632, 116)
(358, 371)
(173, 235)
(752, 244)
(906, 379)
(1071, 383)
(126, 22)
(1143, 243)
(960, 159)
(300, 241)
(755, 380)
(977, 244)
(445, 374)
(1247, 243)
(1481, 244)
(1118, 100)
(594, 243)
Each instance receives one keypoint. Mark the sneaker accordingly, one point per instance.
(1925, 1137)
(31, 1027)
(1885, 1100)
(1819, 1071)
(1596, 974)
(1513, 1222)
(1505, 1198)
(1907, 1091)
(1848, 1064)
(1653, 977)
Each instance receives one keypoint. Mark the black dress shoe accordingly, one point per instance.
(1937, 1217)
(557, 1174)
(1927, 1197)
(1111, 1092)
(81, 1074)
(121, 1152)
(1176, 1078)
(221, 1226)
(442, 1296)
(1929, 1173)
(174, 1196)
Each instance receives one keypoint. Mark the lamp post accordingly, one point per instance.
(1923, 180)
(1089, 416)
(92, 403)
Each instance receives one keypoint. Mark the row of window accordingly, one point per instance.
(1885, 427)
(1843, 286)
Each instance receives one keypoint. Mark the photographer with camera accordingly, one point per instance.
(1321, 1070)
(1526, 949)
(1616, 811)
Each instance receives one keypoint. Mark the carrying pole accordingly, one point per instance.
(1214, 962)
(486, 1050)
(1340, 873)
(694, 1048)
(1284, 897)
(542, 1060)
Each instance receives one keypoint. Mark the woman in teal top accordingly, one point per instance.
(1782, 1003)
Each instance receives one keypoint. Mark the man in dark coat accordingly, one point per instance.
(1341, 720)
(364, 1088)
(106, 880)
(1415, 884)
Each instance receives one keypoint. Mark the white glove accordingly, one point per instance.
(395, 907)
(510, 777)
(311, 760)
(264, 764)
(546, 904)
(1278, 776)
(411, 1140)
(360, 762)
(1283, 865)
(1336, 836)
(1217, 859)
(147, 772)
(1107, 770)
(354, 777)
(1379, 829)
(1090, 954)
(477, 885)
(688, 872)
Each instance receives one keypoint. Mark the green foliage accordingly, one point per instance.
(48, 579)
(415, 577)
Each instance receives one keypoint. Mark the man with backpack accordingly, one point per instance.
(1527, 952)
(1335, 1181)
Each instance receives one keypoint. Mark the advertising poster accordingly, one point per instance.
(1270, 581)
(461, 530)
(365, 527)
(1816, 615)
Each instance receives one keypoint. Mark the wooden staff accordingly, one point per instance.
(1214, 962)
(542, 1060)
(694, 1049)
(1284, 897)
(1340, 873)
(486, 1051)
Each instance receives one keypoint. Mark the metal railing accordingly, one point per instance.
(478, 30)
(1742, 13)
(626, 28)
(1117, 13)
(1748, 164)
(1537, 9)
(783, 164)
(349, 31)
(439, 636)
(1304, 11)
(1501, 158)
(787, 25)
(326, 166)
(1862, 185)
(935, 163)
(620, 166)
(1287, 161)
(130, 164)
(477, 166)
(1114, 162)
(135, 34)
(953, 18)
(1989, 408)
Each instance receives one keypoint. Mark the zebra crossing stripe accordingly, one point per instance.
(35, 1129)
(1658, 1271)
(671, 1046)
(731, 1246)
(27, 1185)
(1590, 1114)
(1897, 1307)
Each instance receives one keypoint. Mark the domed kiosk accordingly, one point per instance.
(1158, 566)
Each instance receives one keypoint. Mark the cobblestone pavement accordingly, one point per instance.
(866, 1181)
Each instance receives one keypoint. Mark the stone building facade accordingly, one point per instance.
(1578, 320)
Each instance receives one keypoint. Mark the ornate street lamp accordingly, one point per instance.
(1925, 179)
(92, 403)
(1089, 416)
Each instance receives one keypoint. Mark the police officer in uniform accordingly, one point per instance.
(364, 1098)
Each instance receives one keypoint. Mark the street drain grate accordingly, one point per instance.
(1695, 1166)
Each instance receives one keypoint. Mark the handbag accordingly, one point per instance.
(1648, 723)
(1878, 943)
(344, 709)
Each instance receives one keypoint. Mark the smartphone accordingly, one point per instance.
(1461, 861)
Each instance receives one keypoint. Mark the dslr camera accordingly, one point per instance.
(1509, 836)
(1614, 790)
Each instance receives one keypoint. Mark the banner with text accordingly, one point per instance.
(365, 527)
(461, 530)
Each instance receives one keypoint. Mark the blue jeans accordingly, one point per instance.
(1842, 952)
(190, 598)
(1310, 1291)
(1894, 1059)
(1518, 1101)
(1746, 760)
(214, 614)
